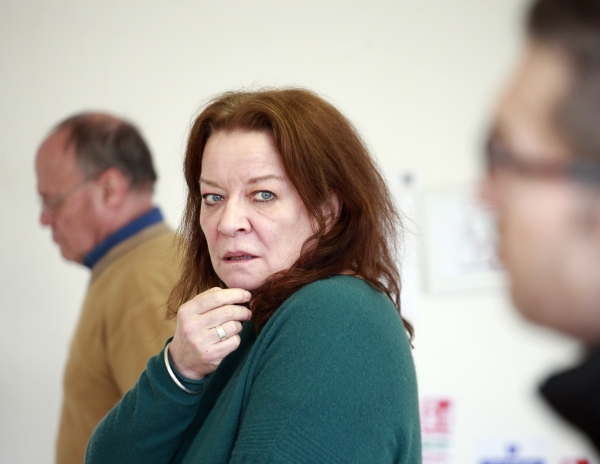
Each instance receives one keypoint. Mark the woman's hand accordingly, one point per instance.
(198, 348)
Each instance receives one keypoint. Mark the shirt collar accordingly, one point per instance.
(146, 220)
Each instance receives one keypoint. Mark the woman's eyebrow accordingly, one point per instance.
(255, 180)
(252, 180)
(208, 182)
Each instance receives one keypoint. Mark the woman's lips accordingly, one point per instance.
(238, 256)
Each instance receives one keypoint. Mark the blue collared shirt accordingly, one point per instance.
(152, 217)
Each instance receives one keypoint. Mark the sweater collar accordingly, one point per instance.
(146, 220)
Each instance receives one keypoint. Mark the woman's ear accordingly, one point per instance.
(331, 209)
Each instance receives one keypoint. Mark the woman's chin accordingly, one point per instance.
(243, 283)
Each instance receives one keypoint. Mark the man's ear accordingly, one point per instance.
(114, 187)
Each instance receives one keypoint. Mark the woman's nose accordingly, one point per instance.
(234, 218)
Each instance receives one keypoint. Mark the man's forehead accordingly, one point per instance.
(527, 115)
(55, 160)
(56, 143)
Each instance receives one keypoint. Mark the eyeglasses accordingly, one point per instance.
(50, 204)
(498, 157)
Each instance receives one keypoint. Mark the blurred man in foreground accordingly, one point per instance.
(95, 178)
(544, 182)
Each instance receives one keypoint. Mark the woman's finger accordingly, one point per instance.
(224, 314)
(217, 297)
(227, 330)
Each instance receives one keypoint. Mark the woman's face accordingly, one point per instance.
(252, 216)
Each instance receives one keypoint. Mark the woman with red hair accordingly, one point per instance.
(289, 344)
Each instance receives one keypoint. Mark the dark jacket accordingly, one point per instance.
(575, 395)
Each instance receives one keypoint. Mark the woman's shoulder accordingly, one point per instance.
(340, 313)
(341, 289)
(341, 299)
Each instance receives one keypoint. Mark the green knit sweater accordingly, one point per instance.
(329, 379)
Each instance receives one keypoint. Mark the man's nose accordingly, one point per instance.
(46, 217)
(487, 192)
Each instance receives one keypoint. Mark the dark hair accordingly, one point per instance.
(322, 155)
(573, 28)
(102, 141)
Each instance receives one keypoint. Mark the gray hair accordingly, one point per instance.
(102, 141)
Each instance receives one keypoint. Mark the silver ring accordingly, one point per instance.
(221, 332)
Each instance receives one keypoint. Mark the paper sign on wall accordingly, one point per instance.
(460, 246)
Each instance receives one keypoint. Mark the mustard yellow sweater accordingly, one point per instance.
(122, 324)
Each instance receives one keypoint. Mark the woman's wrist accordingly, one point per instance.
(191, 386)
(176, 355)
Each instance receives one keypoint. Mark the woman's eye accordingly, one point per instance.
(211, 198)
(264, 195)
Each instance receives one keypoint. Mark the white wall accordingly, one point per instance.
(418, 78)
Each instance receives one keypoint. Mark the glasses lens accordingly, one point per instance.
(496, 156)
(586, 172)
(49, 205)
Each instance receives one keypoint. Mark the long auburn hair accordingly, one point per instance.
(323, 156)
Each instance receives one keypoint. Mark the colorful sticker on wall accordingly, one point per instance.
(437, 429)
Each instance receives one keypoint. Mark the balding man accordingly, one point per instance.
(95, 178)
